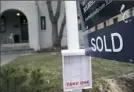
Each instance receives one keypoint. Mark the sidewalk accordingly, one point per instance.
(8, 58)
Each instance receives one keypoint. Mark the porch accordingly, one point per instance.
(13, 27)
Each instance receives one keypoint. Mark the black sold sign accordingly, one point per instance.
(115, 42)
(100, 44)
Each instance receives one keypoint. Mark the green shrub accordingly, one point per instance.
(36, 83)
(21, 80)
(12, 79)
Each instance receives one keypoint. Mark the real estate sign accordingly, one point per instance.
(114, 42)
(97, 11)
(77, 73)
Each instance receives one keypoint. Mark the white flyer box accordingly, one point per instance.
(77, 73)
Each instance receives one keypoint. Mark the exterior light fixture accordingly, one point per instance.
(18, 14)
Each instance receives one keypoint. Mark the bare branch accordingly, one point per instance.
(50, 10)
(62, 28)
(57, 14)
(38, 10)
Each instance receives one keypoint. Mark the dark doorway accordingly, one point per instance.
(24, 29)
(14, 22)
(16, 38)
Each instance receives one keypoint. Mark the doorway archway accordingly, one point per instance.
(14, 27)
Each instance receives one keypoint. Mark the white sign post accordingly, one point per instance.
(76, 66)
(76, 70)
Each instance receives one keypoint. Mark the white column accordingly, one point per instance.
(72, 27)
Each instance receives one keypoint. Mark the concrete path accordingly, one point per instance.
(7, 58)
(10, 57)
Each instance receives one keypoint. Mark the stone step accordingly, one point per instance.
(15, 48)
(19, 51)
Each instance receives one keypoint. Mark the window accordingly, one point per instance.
(131, 12)
(96, 28)
(2, 24)
(79, 26)
(115, 20)
(79, 23)
(43, 22)
(105, 24)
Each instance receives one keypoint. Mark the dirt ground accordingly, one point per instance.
(123, 83)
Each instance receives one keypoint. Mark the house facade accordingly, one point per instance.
(29, 23)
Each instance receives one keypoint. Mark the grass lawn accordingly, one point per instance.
(51, 67)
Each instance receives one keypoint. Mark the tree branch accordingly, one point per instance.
(38, 9)
(62, 28)
(50, 10)
(57, 14)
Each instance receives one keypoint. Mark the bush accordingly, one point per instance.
(36, 83)
(21, 80)
(12, 79)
